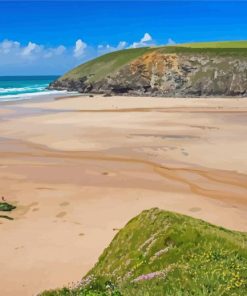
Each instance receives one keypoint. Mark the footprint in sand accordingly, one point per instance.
(44, 188)
(33, 204)
(108, 174)
(185, 153)
(81, 234)
(61, 214)
(20, 247)
(195, 209)
(64, 204)
(35, 209)
(24, 209)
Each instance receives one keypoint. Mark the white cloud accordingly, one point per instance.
(51, 52)
(122, 45)
(102, 49)
(42, 59)
(147, 37)
(29, 49)
(79, 48)
(33, 58)
(7, 45)
(59, 50)
(170, 41)
(146, 40)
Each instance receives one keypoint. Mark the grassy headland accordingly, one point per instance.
(195, 69)
(109, 63)
(163, 253)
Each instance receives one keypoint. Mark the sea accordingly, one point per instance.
(14, 88)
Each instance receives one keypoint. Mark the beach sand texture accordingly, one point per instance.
(79, 168)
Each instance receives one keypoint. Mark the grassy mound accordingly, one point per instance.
(163, 253)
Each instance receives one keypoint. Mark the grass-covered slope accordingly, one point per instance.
(109, 63)
(162, 253)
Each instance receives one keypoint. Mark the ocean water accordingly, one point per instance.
(14, 88)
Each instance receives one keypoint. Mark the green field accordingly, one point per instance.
(222, 44)
(163, 253)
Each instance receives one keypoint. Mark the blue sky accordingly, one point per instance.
(51, 37)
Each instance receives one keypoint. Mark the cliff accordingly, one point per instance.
(203, 69)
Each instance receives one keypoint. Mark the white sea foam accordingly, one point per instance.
(23, 89)
(26, 96)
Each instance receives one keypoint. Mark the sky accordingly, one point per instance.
(51, 37)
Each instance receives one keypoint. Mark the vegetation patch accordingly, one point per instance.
(217, 44)
(163, 253)
(6, 207)
(107, 64)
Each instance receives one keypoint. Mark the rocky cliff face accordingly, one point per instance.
(168, 74)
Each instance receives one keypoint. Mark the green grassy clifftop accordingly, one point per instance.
(196, 69)
(163, 253)
(104, 65)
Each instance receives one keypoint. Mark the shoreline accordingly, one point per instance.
(80, 167)
(34, 98)
(58, 96)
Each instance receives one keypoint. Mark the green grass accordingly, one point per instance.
(222, 44)
(224, 48)
(106, 64)
(163, 253)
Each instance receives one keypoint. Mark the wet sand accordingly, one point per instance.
(79, 168)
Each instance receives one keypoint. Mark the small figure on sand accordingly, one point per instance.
(3, 198)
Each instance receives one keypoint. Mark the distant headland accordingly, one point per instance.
(185, 70)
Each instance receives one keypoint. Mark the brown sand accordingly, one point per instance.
(80, 168)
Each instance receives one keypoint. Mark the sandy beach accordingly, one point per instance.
(79, 168)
